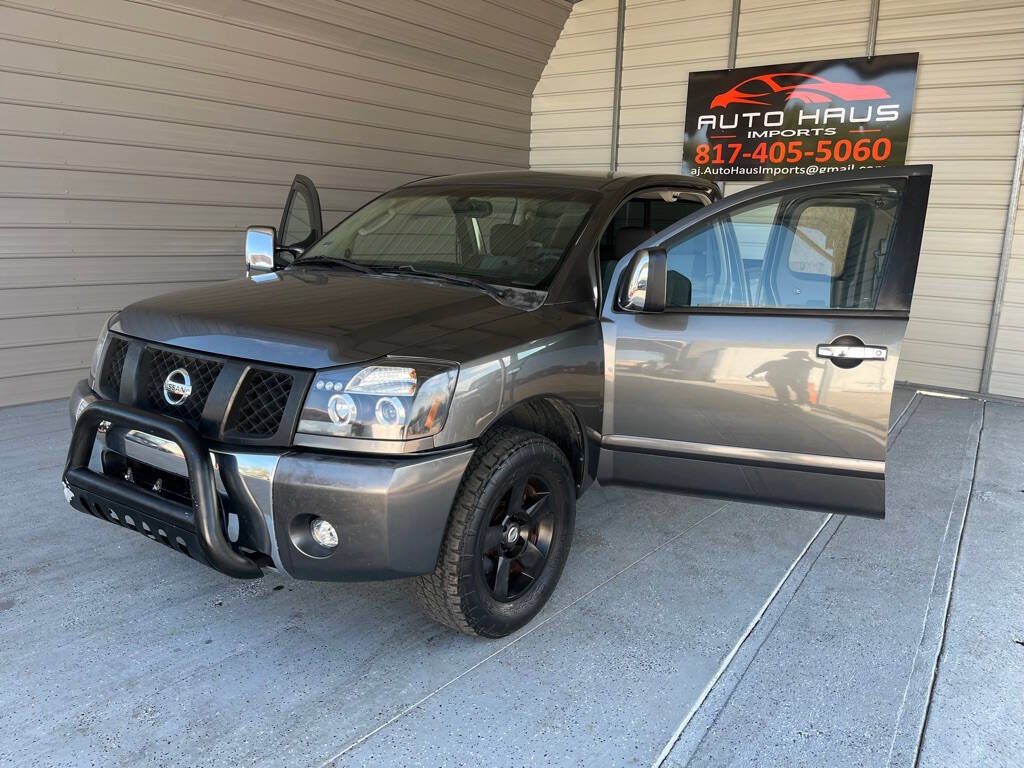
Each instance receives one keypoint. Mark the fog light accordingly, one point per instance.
(323, 533)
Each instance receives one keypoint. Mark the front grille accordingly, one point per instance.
(113, 367)
(158, 363)
(260, 404)
(264, 410)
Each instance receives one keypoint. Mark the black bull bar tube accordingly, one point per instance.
(199, 525)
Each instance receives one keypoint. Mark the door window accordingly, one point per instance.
(301, 221)
(297, 225)
(797, 250)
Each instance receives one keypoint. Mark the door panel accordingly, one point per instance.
(755, 383)
(733, 385)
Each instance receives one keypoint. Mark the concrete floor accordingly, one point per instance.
(685, 631)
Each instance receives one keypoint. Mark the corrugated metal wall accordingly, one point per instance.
(1008, 361)
(966, 117)
(970, 90)
(139, 138)
(572, 105)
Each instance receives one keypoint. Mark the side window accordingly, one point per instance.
(798, 251)
(301, 220)
(698, 271)
(297, 226)
(752, 229)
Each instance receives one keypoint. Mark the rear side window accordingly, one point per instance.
(789, 251)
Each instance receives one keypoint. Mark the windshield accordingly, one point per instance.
(507, 237)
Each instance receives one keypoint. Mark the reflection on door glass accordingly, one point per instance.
(793, 250)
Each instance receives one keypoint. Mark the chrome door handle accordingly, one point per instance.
(845, 352)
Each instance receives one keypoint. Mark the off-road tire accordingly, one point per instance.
(456, 594)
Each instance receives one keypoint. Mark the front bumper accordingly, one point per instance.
(251, 509)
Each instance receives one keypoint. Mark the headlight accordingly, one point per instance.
(97, 353)
(390, 400)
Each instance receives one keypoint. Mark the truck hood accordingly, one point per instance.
(317, 318)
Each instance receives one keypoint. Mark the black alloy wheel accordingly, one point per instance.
(515, 546)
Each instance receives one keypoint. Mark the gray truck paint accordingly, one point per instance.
(660, 399)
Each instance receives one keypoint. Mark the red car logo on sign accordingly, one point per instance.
(798, 86)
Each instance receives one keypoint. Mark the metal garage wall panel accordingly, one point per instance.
(1008, 360)
(39, 271)
(63, 124)
(661, 48)
(966, 115)
(180, 61)
(140, 138)
(966, 119)
(572, 105)
(792, 31)
(29, 332)
(269, 111)
(305, 30)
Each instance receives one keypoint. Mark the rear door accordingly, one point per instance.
(769, 373)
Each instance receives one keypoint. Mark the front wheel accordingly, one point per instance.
(508, 536)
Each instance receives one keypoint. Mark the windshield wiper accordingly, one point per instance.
(334, 261)
(409, 269)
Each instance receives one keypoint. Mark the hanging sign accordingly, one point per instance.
(799, 119)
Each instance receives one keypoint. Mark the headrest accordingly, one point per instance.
(508, 240)
(628, 238)
(550, 209)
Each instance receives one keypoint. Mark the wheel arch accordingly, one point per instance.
(554, 418)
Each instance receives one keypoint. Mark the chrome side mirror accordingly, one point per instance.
(643, 289)
(259, 249)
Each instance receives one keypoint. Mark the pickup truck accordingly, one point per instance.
(425, 390)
